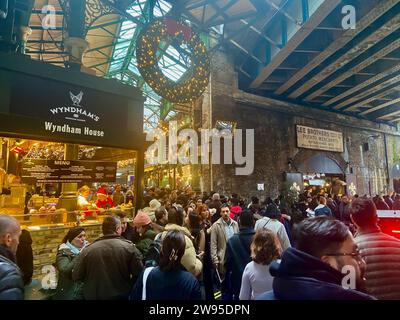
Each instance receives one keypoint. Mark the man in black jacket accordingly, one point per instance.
(324, 265)
(11, 284)
(237, 254)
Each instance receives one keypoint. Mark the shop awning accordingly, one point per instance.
(319, 164)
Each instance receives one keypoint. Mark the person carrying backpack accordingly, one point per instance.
(170, 280)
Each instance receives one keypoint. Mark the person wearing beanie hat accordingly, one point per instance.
(73, 242)
(144, 229)
(153, 206)
(103, 200)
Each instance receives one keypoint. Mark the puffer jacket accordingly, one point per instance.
(11, 283)
(67, 289)
(189, 259)
(381, 253)
(300, 276)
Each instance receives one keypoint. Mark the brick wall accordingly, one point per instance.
(275, 139)
(46, 242)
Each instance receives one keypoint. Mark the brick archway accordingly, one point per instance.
(303, 155)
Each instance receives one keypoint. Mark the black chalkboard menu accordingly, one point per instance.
(48, 171)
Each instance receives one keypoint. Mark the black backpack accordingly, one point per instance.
(152, 257)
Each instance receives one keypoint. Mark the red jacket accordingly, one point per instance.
(104, 203)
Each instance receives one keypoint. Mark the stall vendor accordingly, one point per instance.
(83, 203)
(103, 200)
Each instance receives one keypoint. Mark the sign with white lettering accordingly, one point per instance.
(319, 139)
(48, 171)
(49, 106)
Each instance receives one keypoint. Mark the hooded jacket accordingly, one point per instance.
(189, 259)
(300, 276)
(66, 288)
(11, 283)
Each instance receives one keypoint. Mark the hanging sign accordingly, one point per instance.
(319, 139)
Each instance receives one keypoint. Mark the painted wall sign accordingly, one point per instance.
(319, 139)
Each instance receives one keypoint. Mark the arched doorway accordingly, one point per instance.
(322, 172)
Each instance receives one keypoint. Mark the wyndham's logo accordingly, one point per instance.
(76, 110)
(76, 99)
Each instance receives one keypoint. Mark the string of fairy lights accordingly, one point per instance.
(193, 82)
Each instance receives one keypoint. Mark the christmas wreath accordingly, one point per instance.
(193, 82)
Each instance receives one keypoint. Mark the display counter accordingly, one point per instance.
(61, 218)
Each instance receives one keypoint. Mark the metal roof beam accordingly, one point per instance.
(355, 54)
(316, 18)
(373, 96)
(379, 107)
(338, 44)
(387, 112)
(367, 93)
(363, 85)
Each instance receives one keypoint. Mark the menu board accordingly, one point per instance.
(64, 171)
(319, 139)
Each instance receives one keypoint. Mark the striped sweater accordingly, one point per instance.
(381, 253)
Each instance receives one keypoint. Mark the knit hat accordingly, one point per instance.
(141, 219)
(73, 233)
(154, 204)
(101, 191)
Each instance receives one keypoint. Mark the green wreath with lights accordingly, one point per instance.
(194, 81)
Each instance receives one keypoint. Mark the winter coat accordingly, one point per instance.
(189, 259)
(215, 204)
(276, 227)
(168, 285)
(24, 256)
(300, 276)
(381, 253)
(235, 212)
(322, 210)
(11, 283)
(67, 289)
(237, 256)
(145, 241)
(108, 267)
(219, 241)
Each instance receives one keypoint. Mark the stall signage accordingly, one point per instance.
(65, 171)
(319, 139)
(46, 109)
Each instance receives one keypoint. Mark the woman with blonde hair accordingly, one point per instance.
(256, 278)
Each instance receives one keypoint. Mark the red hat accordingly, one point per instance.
(102, 191)
(141, 219)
